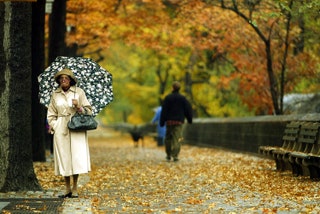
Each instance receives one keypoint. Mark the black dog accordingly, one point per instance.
(136, 135)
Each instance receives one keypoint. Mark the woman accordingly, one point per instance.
(71, 150)
(161, 130)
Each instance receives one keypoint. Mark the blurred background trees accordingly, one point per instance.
(234, 58)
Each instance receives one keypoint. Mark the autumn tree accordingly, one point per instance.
(216, 51)
(179, 35)
(273, 23)
(16, 167)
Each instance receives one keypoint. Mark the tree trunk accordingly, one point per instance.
(57, 30)
(163, 76)
(273, 84)
(272, 80)
(38, 110)
(285, 55)
(16, 166)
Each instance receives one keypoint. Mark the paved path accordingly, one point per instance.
(125, 179)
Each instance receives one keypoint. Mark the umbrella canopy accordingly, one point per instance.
(91, 77)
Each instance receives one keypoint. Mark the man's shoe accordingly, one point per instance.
(175, 159)
(75, 195)
(168, 158)
(68, 195)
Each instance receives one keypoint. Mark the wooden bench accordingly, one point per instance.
(308, 143)
(289, 140)
(300, 151)
(312, 161)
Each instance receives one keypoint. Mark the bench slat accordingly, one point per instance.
(309, 133)
(311, 126)
(289, 138)
(293, 125)
(291, 131)
(299, 154)
(307, 140)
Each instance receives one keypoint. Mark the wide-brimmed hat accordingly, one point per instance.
(65, 71)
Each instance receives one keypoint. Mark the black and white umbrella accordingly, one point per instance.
(91, 77)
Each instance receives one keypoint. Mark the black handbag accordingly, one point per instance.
(82, 122)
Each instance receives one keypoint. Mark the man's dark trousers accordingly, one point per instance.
(173, 141)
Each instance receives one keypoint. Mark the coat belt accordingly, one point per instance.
(62, 115)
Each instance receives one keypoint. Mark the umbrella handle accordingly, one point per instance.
(74, 95)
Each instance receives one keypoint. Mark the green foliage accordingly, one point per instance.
(136, 86)
(215, 101)
(218, 56)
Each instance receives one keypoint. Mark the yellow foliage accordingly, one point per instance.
(173, 37)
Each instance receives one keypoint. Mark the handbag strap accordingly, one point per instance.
(74, 96)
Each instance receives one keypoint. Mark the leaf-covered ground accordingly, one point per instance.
(125, 179)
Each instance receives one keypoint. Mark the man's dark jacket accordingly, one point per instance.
(175, 108)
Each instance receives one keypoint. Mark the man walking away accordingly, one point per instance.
(175, 109)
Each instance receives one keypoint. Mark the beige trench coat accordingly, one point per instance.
(71, 149)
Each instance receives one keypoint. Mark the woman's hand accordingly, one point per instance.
(50, 130)
(75, 103)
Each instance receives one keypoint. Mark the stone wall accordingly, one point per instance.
(241, 134)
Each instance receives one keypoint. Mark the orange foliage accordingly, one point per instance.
(197, 26)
